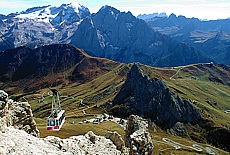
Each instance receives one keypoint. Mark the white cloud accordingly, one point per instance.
(13, 4)
(200, 10)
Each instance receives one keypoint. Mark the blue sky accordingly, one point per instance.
(203, 9)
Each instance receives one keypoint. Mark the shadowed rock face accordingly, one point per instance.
(122, 37)
(19, 63)
(152, 98)
(60, 62)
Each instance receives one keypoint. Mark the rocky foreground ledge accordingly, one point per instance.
(19, 135)
(16, 114)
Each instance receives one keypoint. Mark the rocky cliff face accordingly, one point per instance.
(16, 114)
(116, 139)
(152, 98)
(122, 37)
(84, 144)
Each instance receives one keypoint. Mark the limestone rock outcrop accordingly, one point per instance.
(17, 114)
(3, 103)
(137, 138)
(14, 141)
(116, 139)
(84, 144)
(3, 97)
(152, 98)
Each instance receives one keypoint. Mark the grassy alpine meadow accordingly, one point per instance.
(77, 126)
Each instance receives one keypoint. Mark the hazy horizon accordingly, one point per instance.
(202, 9)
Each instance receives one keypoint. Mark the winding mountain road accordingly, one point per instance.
(177, 145)
(171, 78)
(182, 67)
(87, 107)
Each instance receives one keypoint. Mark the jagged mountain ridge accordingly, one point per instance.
(122, 37)
(147, 96)
(212, 37)
(147, 16)
(65, 13)
(109, 33)
(152, 98)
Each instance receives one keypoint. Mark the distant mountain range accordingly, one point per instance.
(212, 37)
(147, 16)
(109, 33)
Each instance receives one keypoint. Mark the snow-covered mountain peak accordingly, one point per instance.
(42, 14)
(47, 13)
(34, 9)
(73, 7)
(76, 6)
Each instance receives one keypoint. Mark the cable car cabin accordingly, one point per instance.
(57, 116)
(56, 120)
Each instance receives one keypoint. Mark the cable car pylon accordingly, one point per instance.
(57, 116)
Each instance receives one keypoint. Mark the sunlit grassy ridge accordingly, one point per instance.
(193, 83)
